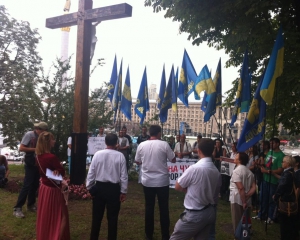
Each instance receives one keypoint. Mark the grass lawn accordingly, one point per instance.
(131, 219)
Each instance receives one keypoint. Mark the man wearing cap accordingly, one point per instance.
(31, 179)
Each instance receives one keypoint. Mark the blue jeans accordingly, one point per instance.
(267, 191)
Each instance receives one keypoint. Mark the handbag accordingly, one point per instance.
(242, 231)
(289, 208)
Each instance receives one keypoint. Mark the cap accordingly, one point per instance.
(41, 125)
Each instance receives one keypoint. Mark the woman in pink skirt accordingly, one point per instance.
(52, 215)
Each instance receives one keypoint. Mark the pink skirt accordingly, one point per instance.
(52, 216)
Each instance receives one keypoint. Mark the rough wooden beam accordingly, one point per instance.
(98, 14)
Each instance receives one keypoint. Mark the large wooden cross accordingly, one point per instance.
(83, 19)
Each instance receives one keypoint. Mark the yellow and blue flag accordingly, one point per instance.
(187, 79)
(142, 101)
(113, 80)
(274, 69)
(162, 89)
(175, 92)
(168, 98)
(215, 98)
(126, 101)
(254, 125)
(243, 94)
(117, 93)
(204, 83)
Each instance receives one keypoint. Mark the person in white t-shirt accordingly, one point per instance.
(101, 132)
(201, 183)
(183, 149)
(153, 155)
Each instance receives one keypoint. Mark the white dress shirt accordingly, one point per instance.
(108, 165)
(202, 182)
(154, 154)
(186, 147)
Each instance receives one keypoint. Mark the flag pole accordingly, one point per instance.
(211, 128)
(227, 126)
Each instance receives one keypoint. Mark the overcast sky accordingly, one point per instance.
(145, 39)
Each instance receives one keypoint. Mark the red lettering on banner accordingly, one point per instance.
(173, 169)
(184, 167)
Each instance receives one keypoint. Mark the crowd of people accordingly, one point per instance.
(264, 181)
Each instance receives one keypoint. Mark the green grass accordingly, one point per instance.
(131, 219)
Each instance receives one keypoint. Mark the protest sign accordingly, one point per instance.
(95, 144)
(227, 166)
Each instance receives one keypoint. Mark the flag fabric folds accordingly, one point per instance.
(175, 92)
(254, 125)
(243, 93)
(204, 102)
(113, 80)
(215, 98)
(126, 100)
(274, 69)
(204, 83)
(187, 79)
(168, 98)
(117, 93)
(162, 89)
(142, 101)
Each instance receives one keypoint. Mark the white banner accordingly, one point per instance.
(178, 168)
(95, 144)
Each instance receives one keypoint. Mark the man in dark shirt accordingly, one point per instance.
(144, 136)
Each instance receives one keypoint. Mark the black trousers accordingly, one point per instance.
(163, 203)
(30, 187)
(107, 196)
(288, 227)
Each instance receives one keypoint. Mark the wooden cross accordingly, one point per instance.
(83, 19)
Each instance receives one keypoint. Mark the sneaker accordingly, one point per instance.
(18, 213)
(32, 208)
(269, 221)
(256, 217)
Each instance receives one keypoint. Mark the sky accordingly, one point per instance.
(145, 39)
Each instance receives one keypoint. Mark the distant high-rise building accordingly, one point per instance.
(152, 92)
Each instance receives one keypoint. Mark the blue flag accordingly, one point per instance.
(274, 69)
(126, 101)
(204, 102)
(117, 93)
(204, 83)
(113, 80)
(142, 102)
(187, 79)
(181, 127)
(243, 92)
(215, 97)
(162, 89)
(254, 125)
(167, 102)
(175, 92)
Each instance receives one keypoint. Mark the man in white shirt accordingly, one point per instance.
(183, 149)
(108, 173)
(101, 132)
(69, 143)
(200, 182)
(153, 155)
(123, 146)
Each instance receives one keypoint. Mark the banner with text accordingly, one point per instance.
(95, 144)
(178, 168)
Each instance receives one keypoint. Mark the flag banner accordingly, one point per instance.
(216, 97)
(243, 93)
(142, 101)
(117, 93)
(126, 101)
(204, 83)
(175, 92)
(204, 102)
(254, 125)
(187, 79)
(181, 127)
(167, 102)
(162, 89)
(274, 69)
(113, 80)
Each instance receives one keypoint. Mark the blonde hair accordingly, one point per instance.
(44, 143)
(290, 160)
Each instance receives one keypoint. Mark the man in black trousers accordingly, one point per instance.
(107, 182)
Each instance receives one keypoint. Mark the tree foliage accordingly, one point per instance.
(19, 68)
(239, 25)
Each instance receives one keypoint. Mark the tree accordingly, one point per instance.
(19, 68)
(239, 25)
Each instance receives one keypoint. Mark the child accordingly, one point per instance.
(3, 171)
